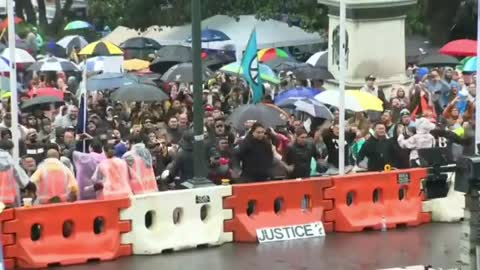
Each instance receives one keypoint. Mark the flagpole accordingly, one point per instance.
(13, 80)
(85, 106)
(477, 94)
(341, 107)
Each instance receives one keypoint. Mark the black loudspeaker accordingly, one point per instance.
(467, 174)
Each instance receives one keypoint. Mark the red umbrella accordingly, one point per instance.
(16, 20)
(49, 91)
(460, 47)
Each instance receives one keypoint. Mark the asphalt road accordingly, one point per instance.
(434, 244)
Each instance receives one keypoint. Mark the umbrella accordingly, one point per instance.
(16, 20)
(72, 41)
(5, 84)
(312, 73)
(319, 59)
(215, 61)
(352, 102)
(140, 43)
(210, 35)
(280, 64)
(297, 93)
(368, 101)
(184, 73)
(169, 56)
(460, 47)
(4, 65)
(77, 25)
(139, 92)
(470, 65)
(106, 81)
(269, 116)
(314, 108)
(53, 64)
(135, 64)
(21, 56)
(48, 91)
(37, 102)
(436, 60)
(266, 73)
(101, 48)
(270, 54)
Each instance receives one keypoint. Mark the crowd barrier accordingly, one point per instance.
(67, 233)
(73, 233)
(8, 239)
(177, 220)
(274, 204)
(373, 200)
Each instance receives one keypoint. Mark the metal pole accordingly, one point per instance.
(198, 147)
(477, 94)
(341, 86)
(13, 80)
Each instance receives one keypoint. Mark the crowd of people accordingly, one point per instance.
(135, 148)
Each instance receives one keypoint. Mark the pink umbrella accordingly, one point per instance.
(460, 47)
(49, 91)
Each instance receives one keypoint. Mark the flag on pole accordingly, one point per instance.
(82, 118)
(251, 72)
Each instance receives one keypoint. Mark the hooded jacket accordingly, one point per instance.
(423, 139)
(6, 163)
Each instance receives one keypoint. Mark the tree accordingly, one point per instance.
(140, 14)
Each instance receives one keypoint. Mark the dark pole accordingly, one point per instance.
(199, 167)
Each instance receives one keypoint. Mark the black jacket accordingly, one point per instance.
(378, 152)
(300, 157)
(331, 141)
(445, 139)
(256, 158)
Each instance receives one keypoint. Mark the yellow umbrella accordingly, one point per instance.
(101, 48)
(135, 64)
(368, 101)
(5, 95)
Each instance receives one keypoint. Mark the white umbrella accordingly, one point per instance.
(332, 97)
(71, 41)
(21, 56)
(54, 64)
(4, 64)
(313, 108)
(319, 60)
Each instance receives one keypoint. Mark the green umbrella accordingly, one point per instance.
(463, 62)
(266, 73)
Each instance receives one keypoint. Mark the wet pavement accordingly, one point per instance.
(435, 244)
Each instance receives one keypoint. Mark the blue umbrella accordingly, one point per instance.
(107, 81)
(470, 65)
(297, 93)
(210, 35)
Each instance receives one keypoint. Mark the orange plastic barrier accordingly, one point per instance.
(274, 204)
(369, 200)
(7, 239)
(67, 233)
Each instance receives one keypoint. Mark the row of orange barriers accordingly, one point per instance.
(348, 203)
(65, 234)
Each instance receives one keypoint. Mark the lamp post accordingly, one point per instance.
(13, 80)
(199, 157)
(341, 88)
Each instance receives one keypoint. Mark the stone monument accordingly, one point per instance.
(375, 41)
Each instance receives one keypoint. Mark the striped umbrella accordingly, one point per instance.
(71, 41)
(270, 54)
(77, 25)
(21, 56)
(101, 48)
(53, 64)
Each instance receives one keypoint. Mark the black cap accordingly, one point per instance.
(370, 78)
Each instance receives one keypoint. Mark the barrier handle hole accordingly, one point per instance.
(204, 211)
(278, 205)
(149, 219)
(350, 198)
(251, 207)
(36, 232)
(377, 195)
(67, 228)
(402, 193)
(98, 225)
(177, 215)
(306, 203)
